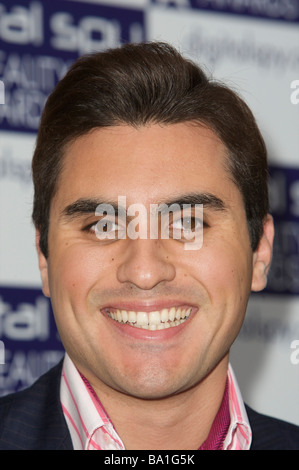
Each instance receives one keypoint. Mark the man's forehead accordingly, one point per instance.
(154, 160)
(179, 141)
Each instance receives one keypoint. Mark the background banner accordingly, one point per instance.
(254, 48)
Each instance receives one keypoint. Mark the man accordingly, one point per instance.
(147, 322)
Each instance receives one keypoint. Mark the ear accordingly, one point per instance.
(43, 266)
(262, 256)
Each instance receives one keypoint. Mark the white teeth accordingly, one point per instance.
(172, 314)
(164, 315)
(142, 318)
(132, 317)
(124, 316)
(119, 316)
(156, 320)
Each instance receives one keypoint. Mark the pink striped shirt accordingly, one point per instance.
(91, 428)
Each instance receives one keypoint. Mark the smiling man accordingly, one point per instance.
(147, 324)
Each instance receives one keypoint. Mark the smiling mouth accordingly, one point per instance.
(155, 320)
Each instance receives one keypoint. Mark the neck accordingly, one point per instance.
(181, 421)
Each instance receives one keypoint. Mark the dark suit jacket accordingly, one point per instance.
(33, 420)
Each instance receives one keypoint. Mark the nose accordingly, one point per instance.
(145, 264)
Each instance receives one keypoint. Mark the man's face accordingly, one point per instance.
(97, 286)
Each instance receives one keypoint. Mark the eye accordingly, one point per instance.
(105, 226)
(185, 227)
(105, 229)
(187, 223)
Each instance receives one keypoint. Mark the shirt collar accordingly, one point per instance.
(91, 428)
(87, 420)
(220, 426)
(239, 434)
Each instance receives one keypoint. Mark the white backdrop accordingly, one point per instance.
(251, 46)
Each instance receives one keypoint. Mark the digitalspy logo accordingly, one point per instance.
(2, 93)
(2, 353)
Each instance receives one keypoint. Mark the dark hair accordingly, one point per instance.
(137, 84)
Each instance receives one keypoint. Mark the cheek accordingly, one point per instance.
(224, 269)
(225, 279)
(72, 273)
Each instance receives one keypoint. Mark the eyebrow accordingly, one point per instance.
(207, 200)
(84, 206)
